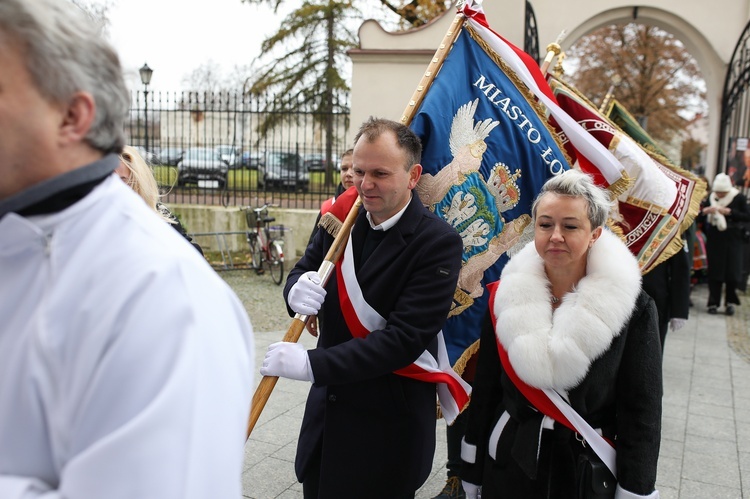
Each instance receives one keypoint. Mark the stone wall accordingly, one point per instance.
(199, 219)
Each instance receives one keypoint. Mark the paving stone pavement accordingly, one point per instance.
(705, 447)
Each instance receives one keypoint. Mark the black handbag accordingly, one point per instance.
(595, 481)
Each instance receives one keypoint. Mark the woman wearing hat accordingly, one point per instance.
(725, 214)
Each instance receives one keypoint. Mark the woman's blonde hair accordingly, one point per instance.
(142, 180)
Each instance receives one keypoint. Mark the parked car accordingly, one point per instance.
(315, 162)
(283, 170)
(171, 156)
(229, 154)
(252, 160)
(149, 156)
(202, 166)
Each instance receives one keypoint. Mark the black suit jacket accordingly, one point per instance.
(374, 430)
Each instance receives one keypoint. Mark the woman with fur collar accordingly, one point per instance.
(724, 215)
(571, 315)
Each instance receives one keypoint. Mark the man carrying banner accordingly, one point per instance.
(369, 424)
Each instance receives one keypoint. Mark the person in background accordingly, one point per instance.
(369, 427)
(138, 175)
(668, 283)
(568, 320)
(723, 217)
(346, 180)
(126, 363)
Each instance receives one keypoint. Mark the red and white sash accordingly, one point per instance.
(551, 404)
(452, 391)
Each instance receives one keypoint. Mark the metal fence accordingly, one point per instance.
(734, 141)
(264, 155)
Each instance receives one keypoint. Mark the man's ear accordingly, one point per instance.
(77, 117)
(414, 173)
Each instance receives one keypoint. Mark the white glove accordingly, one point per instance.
(676, 324)
(307, 295)
(287, 360)
(472, 491)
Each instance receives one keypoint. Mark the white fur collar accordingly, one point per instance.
(555, 350)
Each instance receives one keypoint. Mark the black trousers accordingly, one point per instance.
(454, 434)
(714, 293)
(311, 483)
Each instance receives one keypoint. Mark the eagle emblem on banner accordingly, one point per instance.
(473, 205)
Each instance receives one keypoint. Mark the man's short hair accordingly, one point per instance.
(65, 53)
(405, 137)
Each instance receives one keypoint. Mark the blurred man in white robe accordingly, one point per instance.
(126, 363)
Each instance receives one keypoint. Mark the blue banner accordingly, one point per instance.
(487, 152)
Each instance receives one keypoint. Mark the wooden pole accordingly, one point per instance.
(553, 50)
(267, 383)
(429, 75)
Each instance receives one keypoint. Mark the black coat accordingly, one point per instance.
(600, 346)
(624, 366)
(724, 249)
(375, 430)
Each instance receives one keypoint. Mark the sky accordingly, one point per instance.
(175, 37)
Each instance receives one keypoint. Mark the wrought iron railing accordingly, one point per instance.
(734, 138)
(531, 34)
(284, 165)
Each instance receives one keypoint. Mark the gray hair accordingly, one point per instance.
(65, 53)
(575, 183)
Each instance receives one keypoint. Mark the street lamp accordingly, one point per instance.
(146, 73)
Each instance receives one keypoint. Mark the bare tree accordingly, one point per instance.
(97, 11)
(205, 78)
(654, 76)
(415, 13)
(692, 153)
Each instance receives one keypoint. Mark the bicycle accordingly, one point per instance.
(266, 242)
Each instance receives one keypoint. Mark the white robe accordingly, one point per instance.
(126, 363)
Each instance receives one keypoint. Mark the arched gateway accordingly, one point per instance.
(388, 66)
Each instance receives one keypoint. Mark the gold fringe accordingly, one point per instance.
(460, 364)
(330, 224)
(621, 185)
(615, 229)
(672, 248)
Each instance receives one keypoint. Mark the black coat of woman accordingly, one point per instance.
(724, 241)
(570, 313)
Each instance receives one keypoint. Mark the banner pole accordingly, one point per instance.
(553, 50)
(429, 75)
(267, 383)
